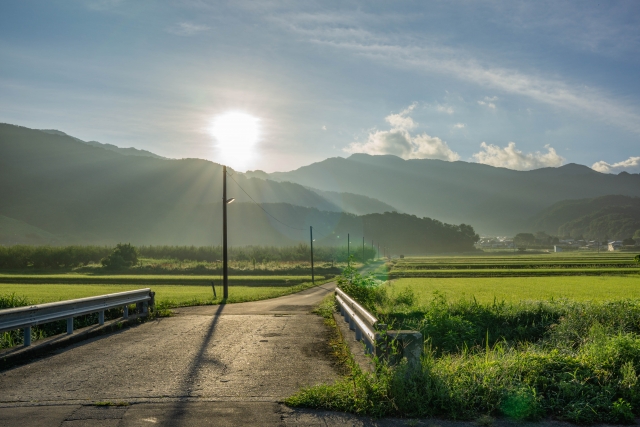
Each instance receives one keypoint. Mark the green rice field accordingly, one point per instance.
(150, 279)
(514, 289)
(516, 265)
(166, 295)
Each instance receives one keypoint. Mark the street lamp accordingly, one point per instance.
(313, 280)
(225, 259)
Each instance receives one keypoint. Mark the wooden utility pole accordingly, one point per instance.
(225, 260)
(313, 280)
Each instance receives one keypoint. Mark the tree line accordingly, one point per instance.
(52, 257)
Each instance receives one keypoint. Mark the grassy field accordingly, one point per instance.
(559, 347)
(153, 279)
(516, 265)
(166, 295)
(514, 289)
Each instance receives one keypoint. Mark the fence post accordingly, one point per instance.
(69, 325)
(27, 336)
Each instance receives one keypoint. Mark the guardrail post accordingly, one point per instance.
(27, 336)
(358, 334)
(69, 325)
(145, 308)
(126, 312)
(352, 323)
(101, 317)
(152, 302)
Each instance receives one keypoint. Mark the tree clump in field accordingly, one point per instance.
(123, 256)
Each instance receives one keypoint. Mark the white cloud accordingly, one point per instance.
(445, 109)
(402, 119)
(416, 53)
(459, 126)
(187, 29)
(324, 127)
(512, 158)
(488, 104)
(632, 164)
(399, 141)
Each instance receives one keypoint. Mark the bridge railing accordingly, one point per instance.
(374, 334)
(27, 317)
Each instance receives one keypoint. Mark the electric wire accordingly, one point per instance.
(260, 206)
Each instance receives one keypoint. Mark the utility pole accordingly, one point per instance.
(225, 260)
(378, 249)
(348, 250)
(313, 280)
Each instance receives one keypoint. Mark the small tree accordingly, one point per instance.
(123, 256)
(628, 242)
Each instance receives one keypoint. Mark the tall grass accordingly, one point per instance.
(571, 361)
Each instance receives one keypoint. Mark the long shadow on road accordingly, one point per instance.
(178, 412)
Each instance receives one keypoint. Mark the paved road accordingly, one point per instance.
(212, 362)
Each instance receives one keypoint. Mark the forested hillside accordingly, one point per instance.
(496, 201)
(60, 190)
(613, 217)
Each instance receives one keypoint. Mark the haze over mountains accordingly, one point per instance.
(58, 189)
(496, 201)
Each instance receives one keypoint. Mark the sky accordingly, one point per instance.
(514, 84)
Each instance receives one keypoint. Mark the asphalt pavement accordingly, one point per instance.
(232, 362)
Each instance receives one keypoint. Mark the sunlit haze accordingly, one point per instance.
(236, 134)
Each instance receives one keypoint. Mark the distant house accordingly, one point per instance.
(615, 245)
(557, 248)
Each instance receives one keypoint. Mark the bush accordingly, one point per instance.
(123, 256)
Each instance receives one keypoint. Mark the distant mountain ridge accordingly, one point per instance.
(84, 194)
(126, 151)
(64, 186)
(496, 201)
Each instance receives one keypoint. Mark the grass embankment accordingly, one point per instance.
(570, 360)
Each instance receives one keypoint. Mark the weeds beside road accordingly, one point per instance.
(574, 361)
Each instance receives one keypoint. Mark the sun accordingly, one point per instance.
(236, 134)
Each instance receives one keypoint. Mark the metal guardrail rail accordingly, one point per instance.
(27, 317)
(373, 333)
(360, 320)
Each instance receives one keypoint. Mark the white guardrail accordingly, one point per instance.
(27, 317)
(360, 320)
(373, 333)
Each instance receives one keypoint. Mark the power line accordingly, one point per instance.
(260, 206)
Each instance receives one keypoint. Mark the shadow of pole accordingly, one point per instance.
(178, 412)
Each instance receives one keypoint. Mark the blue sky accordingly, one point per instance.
(508, 83)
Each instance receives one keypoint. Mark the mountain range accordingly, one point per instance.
(496, 201)
(59, 189)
